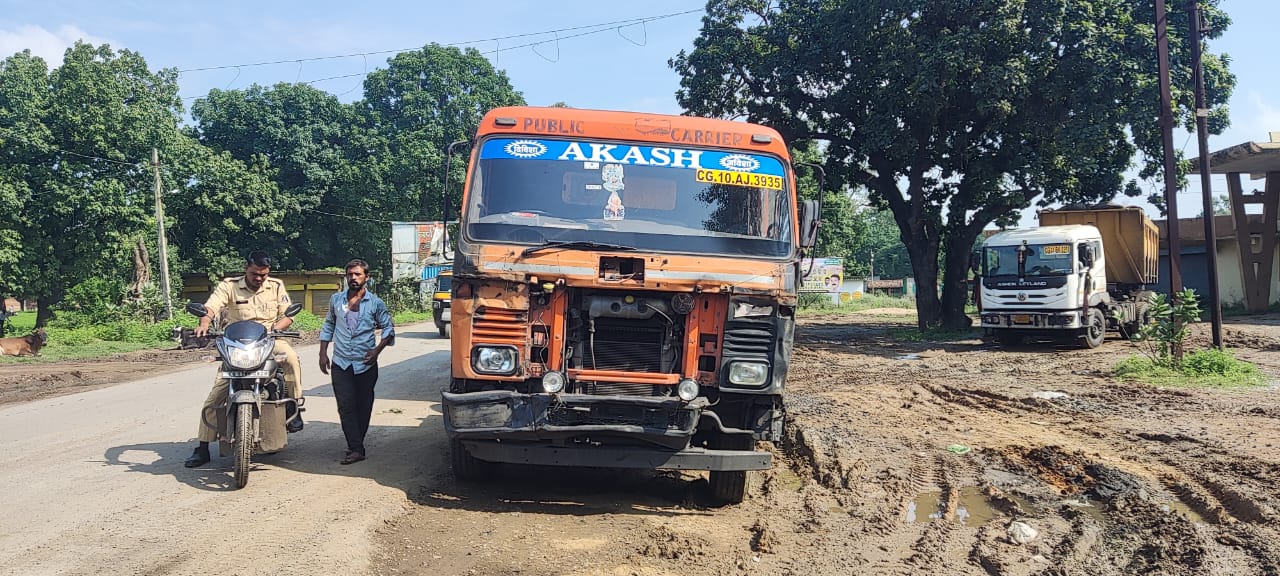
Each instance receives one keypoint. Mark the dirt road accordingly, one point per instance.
(94, 482)
(1114, 478)
(901, 458)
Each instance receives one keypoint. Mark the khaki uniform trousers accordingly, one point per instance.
(217, 399)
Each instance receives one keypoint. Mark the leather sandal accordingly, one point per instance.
(352, 457)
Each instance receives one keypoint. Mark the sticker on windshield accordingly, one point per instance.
(612, 175)
(1056, 250)
(746, 179)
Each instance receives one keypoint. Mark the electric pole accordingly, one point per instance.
(161, 244)
(1202, 135)
(1170, 174)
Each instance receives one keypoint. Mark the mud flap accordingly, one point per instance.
(271, 428)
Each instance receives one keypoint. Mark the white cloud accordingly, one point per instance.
(1267, 116)
(50, 45)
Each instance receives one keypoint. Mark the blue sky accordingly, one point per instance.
(615, 68)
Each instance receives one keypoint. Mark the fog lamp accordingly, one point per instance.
(687, 390)
(553, 382)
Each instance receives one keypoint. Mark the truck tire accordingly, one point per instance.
(1095, 332)
(466, 467)
(1009, 338)
(731, 487)
(443, 329)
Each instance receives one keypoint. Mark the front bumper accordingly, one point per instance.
(1032, 320)
(542, 429)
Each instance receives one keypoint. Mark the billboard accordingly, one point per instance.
(822, 275)
(418, 250)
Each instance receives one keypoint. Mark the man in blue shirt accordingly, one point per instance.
(354, 316)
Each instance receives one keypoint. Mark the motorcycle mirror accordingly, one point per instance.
(196, 309)
(293, 309)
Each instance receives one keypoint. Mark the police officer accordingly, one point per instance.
(261, 299)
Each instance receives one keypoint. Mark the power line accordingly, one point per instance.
(604, 25)
(593, 29)
(85, 156)
(348, 216)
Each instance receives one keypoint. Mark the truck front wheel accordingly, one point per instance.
(731, 487)
(1095, 332)
(466, 467)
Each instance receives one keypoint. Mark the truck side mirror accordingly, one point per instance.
(810, 218)
(975, 261)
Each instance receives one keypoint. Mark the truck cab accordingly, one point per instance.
(1075, 279)
(624, 294)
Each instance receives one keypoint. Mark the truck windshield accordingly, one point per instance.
(1041, 260)
(535, 191)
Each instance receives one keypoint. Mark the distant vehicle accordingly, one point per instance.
(1083, 272)
(440, 302)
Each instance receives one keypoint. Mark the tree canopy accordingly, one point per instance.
(953, 115)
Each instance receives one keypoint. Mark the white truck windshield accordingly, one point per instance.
(1039, 260)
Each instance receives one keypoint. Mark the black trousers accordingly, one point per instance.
(354, 393)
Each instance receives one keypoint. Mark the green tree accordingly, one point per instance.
(952, 114)
(301, 136)
(423, 101)
(78, 175)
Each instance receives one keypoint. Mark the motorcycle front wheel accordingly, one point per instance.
(243, 443)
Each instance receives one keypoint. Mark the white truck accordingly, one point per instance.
(1082, 272)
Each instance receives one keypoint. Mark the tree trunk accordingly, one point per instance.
(141, 269)
(924, 264)
(44, 311)
(955, 274)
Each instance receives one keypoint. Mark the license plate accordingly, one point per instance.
(244, 374)
(1021, 318)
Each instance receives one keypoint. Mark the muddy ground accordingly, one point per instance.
(26, 378)
(909, 458)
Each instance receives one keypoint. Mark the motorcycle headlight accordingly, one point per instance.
(246, 358)
(748, 373)
(499, 360)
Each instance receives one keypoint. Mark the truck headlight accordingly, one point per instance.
(687, 390)
(553, 382)
(748, 373)
(500, 360)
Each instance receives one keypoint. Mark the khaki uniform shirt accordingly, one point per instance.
(265, 306)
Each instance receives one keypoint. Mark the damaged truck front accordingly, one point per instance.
(624, 294)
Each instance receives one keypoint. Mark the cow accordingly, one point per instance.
(187, 339)
(28, 345)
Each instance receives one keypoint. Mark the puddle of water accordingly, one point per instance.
(908, 357)
(1087, 508)
(972, 509)
(1183, 510)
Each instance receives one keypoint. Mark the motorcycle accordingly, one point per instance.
(259, 408)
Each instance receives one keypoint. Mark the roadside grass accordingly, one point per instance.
(22, 323)
(811, 305)
(1209, 368)
(410, 317)
(94, 349)
(913, 334)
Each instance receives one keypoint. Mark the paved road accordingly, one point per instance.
(93, 483)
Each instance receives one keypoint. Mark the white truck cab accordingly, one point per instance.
(1058, 282)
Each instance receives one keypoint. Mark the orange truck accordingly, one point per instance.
(624, 294)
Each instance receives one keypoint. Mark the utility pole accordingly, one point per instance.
(1202, 135)
(1170, 175)
(161, 244)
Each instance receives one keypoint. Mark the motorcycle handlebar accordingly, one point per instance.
(284, 334)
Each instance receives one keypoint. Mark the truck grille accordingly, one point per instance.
(626, 345)
(748, 339)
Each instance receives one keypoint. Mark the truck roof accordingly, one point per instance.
(633, 126)
(1044, 234)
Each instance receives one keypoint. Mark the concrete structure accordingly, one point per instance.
(312, 289)
(1253, 223)
(1231, 283)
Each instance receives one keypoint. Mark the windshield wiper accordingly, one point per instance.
(582, 244)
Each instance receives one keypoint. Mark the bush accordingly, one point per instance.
(1211, 367)
(306, 322)
(406, 296)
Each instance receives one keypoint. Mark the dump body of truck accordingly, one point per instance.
(1081, 273)
(624, 294)
(1129, 238)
